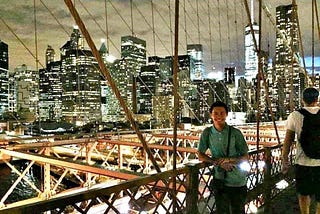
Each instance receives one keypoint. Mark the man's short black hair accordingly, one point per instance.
(310, 95)
(218, 104)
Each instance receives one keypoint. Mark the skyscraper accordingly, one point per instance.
(81, 96)
(147, 82)
(251, 56)
(110, 106)
(287, 83)
(133, 51)
(196, 53)
(26, 89)
(50, 88)
(4, 77)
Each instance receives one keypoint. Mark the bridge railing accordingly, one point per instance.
(160, 193)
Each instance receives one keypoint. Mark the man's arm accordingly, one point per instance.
(288, 140)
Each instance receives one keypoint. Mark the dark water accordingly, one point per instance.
(23, 190)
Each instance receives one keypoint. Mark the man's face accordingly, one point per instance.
(219, 115)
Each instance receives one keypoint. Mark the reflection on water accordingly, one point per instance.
(23, 189)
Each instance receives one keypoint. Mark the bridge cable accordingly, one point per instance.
(153, 30)
(210, 30)
(107, 24)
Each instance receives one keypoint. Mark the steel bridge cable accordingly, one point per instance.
(210, 31)
(171, 32)
(228, 31)
(312, 40)
(107, 26)
(198, 20)
(220, 33)
(301, 46)
(317, 18)
(153, 31)
(185, 21)
(236, 27)
(131, 15)
(258, 79)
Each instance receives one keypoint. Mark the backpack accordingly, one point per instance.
(310, 134)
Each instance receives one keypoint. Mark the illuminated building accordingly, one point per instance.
(81, 101)
(196, 52)
(4, 77)
(26, 89)
(147, 82)
(185, 65)
(50, 88)
(110, 107)
(251, 56)
(133, 51)
(287, 86)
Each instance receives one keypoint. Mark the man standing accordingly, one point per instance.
(228, 150)
(307, 169)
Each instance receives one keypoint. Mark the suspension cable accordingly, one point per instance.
(210, 31)
(220, 39)
(107, 26)
(153, 31)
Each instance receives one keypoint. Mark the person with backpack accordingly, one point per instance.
(228, 151)
(305, 124)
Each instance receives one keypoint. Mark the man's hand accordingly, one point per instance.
(226, 164)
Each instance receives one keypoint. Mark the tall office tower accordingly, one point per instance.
(147, 82)
(242, 95)
(26, 89)
(133, 51)
(201, 108)
(110, 106)
(80, 76)
(287, 82)
(50, 88)
(50, 54)
(185, 65)
(4, 77)
(251, 57)
(104, 84)
(229, 79)
(196, 53)
(120, 74)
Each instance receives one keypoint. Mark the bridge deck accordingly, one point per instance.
(287, 203)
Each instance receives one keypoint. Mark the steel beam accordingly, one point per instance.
(68, 164)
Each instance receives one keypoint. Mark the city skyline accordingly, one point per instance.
(219, 56)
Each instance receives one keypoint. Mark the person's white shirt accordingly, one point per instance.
(294, 123)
